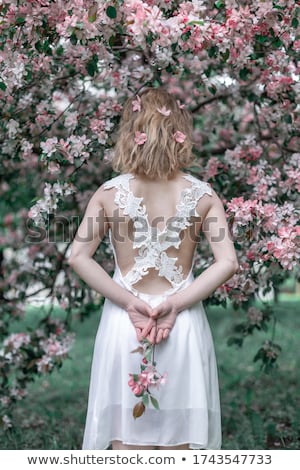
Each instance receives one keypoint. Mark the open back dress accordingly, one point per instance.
(189, 400)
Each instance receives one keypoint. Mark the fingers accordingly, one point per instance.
(147, 329)
(162, 333)
(166, 333)
(152, 335)
(139, 334)
(159, 335)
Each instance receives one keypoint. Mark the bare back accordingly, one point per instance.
(154, 227)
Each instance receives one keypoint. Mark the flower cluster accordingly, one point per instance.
(37, 352)
(142, 384)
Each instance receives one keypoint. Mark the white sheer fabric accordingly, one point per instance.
(189, 401)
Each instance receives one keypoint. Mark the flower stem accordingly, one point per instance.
(153, 347)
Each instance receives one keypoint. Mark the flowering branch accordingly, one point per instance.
(148, 378)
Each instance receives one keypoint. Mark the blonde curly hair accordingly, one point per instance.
(154, 137)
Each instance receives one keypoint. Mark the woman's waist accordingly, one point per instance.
(147, 288)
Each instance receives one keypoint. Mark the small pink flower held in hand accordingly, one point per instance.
(164, 111)
(140, 138)
(179, 137)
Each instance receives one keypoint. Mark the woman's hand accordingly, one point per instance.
(140, 315)
(163, 319)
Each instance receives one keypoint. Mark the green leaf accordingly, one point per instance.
(219, 4)
(295, 22)
(60, 50)
(186, 36)
(46, 48)
(288, 118)
(259, 355)
(92, 65)
(225, 55)
(111, 12)
(111, 40)
(212, 51)
(73, 39)
(154, 402)
(145, 399)
(200, 22)
(149, 38)
(212, 89)
(244, 74)
(252, 97)
(261, 39)
(39, 46)
(2, 86)
(235, 341)
(277, 43)
(208, 71)
(20, 20)
(29, 75)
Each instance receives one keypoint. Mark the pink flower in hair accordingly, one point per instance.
(136, 104)
(140, 138)
(164, 111)
(179, 137)
(181, 106)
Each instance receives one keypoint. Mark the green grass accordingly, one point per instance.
(259, 411)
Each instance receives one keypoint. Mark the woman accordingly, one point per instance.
(154, 213)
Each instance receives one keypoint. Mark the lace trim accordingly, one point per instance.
(152, 254)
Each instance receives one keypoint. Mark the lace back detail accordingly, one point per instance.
(152, 249)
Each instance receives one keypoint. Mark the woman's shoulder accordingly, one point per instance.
(198, 184)
(117, 181)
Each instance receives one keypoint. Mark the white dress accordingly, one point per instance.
(189, 401)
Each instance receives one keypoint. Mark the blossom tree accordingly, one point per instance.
(67, 68)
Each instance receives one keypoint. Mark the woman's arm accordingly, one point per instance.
(90, 233)
(217, 233)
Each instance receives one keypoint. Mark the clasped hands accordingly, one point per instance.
(155, 323)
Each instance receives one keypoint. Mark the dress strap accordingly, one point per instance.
(124, 198)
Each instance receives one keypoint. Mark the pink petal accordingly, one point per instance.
(140, 138)
(136, 104)
(181, 106)
(179, 137)
(164, 111)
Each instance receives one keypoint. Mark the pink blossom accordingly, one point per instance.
(54, 167)
(136, 104)
(296, 45)
(16, 340)
(212, 167)
(8, 219)
(44, 365)
(164, 111)
(136, 386)
(49, 146)
(254, 316)
(181, 105)
(179, 137)
(140, 138)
